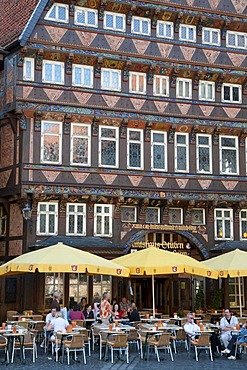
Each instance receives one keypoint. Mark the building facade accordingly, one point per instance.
(123, 125)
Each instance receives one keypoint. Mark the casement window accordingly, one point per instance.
(47, 218)
(231, 93)
(80, 144)
(110, 79)
(103, 220)
(3, 221)
(243, 224)
(51, 142)
(128, 214)
(82, 75)
(181, 152)
(28, 69)
(137, 82)
(184, 88)
(135, 149)
(203, 153)
(206, 90)
(161, 85)
(187, 33)
(175, 216)
(165, 29)
(223, 224)
(197, 216)
(114, 21)
(233, 292)
(59, 13)
(236, 39)
(228, 146)
(76, 219)
(210, 36)
(108, 146)
(141, 25)
(86, 17)
(152, 215)
(53, 72)
(53, 282)
(158, 150)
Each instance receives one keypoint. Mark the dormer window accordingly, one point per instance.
(59, 13)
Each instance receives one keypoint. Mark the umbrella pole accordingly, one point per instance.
(240, 298)
(153, 294)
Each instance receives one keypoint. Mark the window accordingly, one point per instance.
(243, 224)
(223, 224)
(76, 219)
(236, 39)
(204, 153)
(82, 75)
(206, 90)
(108, 146)
(51, 142)
(47, 219)
(103, 220)
(141, 25)
(78, 287)
(233, 292)
(229, 155)
(128, 214)
(135, 149)
(111, 79)
(187, 33)
(231, 93)
(53, 72)
(164, 29)
(153, 215)
(159, 150)
(3, 221)
(58, 12)
(175, 216)
(181, 152)
(86, 17)
(80, 144)
(53, 282)
(197, 216)
(114, 21)
(210, 36)
(137, 82)
(161, 85)
(28, 69)
(184, 88)
(101, 284)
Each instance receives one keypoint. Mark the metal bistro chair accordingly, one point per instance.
(87, 339)
(203, 342)
(180, 337)
(133, 337)
(76, 344)
(4, 346)
(119, 343)
(160, 341)
(242, 346)
(95, 330)
(103, 335)
(28, 344)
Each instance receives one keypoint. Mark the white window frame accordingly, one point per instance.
(111, 71)
(161, 80)
(206, 84)
(186, 145)
(115, 139)
(163, 144)
(236, 148)
(184, 81)
(80, 9)
(25, 77)
(47, 214)
(148, 222)
(59, 135)
(135, 216)
(76, 213)
(141, 20)
(231, 93)
(165, 23)
(236, 34)
(53, 63)
(209, 146)
(235, 283)
(129, 141)
(223, 218)
(211, 31)
(56, 19)
(114, 15)
(181, 212)
(187, 26)
(138, 75)
(82, 68)
(103, 215)
(87, 137)
(242, 218)
(204, 218)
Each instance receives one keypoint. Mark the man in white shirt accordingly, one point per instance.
(51, 317)
(227, 324)
(59, 324)
(190, 327)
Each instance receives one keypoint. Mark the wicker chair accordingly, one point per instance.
(28, 344)
(203, 343)
(160, 341)
(87, 339)
(134, 338)
(180, 337)
(76, 344)
(119, 343)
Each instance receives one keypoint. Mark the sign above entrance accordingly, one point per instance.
(192, 228)
(182, 248)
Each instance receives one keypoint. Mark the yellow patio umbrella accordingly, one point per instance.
(233, 264)
(62, 258)
(154, 261)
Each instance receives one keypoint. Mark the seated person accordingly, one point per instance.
(48, 321)
(124, 305)
(88, 312)
(117, 312)
(59, 324)
(133, 314)
(83, 303)
(227, 323)
(238, 338)
(76, 313)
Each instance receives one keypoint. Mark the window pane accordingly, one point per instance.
(181, 158)
(81, 17)
(135, 155)
(91, 18)
(109, 20)
(61, 13)
(51, 224)
(159, 157)
(119, 23)
(108, 152)
(235, 93)
(227, 95)
(204, 159)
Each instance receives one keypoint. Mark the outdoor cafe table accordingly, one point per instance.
(19, 335)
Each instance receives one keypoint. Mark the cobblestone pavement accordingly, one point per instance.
(181, 361)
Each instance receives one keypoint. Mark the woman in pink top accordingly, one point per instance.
(76, 314)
